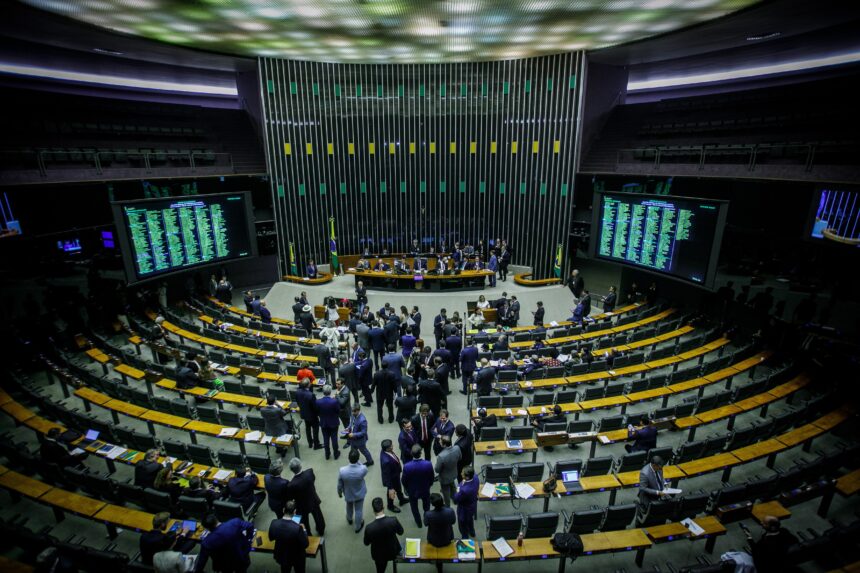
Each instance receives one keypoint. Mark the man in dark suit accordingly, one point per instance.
(364, 367)
(468, 364)
(291, 541)
(415, 315)
(312, 269)
(484, 378)
(329, 416)
(454, 344)
(323, 354)
(228, 544)
(146, 469)
(440, 522)
(265, 313)
(382, 536)
(442, 370)
(539, 314)
(349, 374)
(377, 343)
(484, 421)
(644, 438)
(430, 392)
(464, 442)
(384, 384)
(406, 439)
(575, 283)
(308, 412)
(381, 266)
(159, 539)
(407, 404)
(248, 299)
(439, 324)
(297, 310)
(344, 402)
(303, 491)
(392, 468)
(53, 452)
(274, 420)
(422, 425)
(277, 488)
(241, 489)
(306, 319)
(417, 479)
(770, 551)
(651, 483)
(391, 332)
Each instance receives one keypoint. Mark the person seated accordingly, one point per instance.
(484, 421)
(644, 438)
(196, 490)
(158, 539)
(53, 452)
(381, 266)
(363, 264)
(541, 422)
(241, 489)
(400, 266)
(146, 469)
(186, 377)
(166, 482)
(770, 551)
(420, 264)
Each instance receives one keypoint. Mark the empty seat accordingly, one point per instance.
(497, 473)
(630, 462)
(487, 434)
(566, 396)
(512, 401)
(507, 527)
(231, 459)
(598, 466)
(587, 521)
(194, 507)
(157, 501)
(489, 401)
(692, 505)
(618, 517)
(566, 466)
(542, 398)
(200, 454)
(657, 512)
(612, 423)
(174, 449)
(227, 510)
(540, 524)
(529, 472)
(521, 433)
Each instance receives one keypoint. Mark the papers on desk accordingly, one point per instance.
(228, 432)
(553, 323)
(603, 439)
(77, 452)
(611, 372)
(522, 412)
(563, 358)
(488, 489)
(509, 412)
(466, 550)
(692, 526)
(528, 383)
(502, 547)
(671, 490)
(524, 490)
(609, 313)
(266, 440)
(494, 363)
(305, 279)
(413, 548)
(222, 475)
(283, 439)
(115, 452)
(253, 436)
(514, 444)
(189, 562)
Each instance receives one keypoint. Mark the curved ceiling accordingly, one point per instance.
(399, 31)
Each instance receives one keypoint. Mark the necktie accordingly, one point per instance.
(423, 429)
(393, 455)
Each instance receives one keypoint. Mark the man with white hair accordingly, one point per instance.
(303, 491)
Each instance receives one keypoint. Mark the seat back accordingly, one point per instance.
(692, 505)
(199, 454)
(577, 426)
(657, 512)
(618, 517)
(689, 451)
(512, 401)
(665, 452)
(227, 510)
(540, 524)
(157, 501)
(497, 473)
(508, 526)
(521, 433)
(207, 413)
(598, 466)
(492, 434)
(258, 464)
(489, 401)
(631, 462)
(174, 449)
(566, 466)
(555, 427)
(566, 396)
(542, 398)
(611, 423)
(587, 521)
(193, 507)
(527, 472)
(255, 422)
(231, 459)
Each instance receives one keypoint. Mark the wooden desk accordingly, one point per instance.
(774, 508)
(387, 279)
(849, 484)
(631, 478)
(833, 419)
(800, 435)
(492, 448)
(62, 501)
(672, 531)
(129, 372)
(21, 485)
(767, 448)
(18, 412)
(724, 461)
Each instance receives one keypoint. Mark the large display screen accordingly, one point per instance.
(159, 236)
(836, 218)
(675, 236)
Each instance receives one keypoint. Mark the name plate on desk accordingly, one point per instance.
(551, 438)
(579, 437)
(664, 423)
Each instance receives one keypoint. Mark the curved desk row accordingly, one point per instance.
(525, 279)
(462, 280)
(321, 279)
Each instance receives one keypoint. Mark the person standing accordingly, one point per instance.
(485, 378)
(265, 314)
(356, 435)
(307, 402)
(348, 372)
(422, 425)
(468, 364)
(438, 325)
(377, 342)
(360, 296)
(610, 300)
(364, 367)
(384, 384)
(454, 344)
(406, 439)
(303, 491)
(291, 541)
(466, 499)
(440, 522)
(277, 488)
(493, 265)
(306, 319)
(417, 479)
(446, 468)
(392, 469)
(464, 442)
(344, 402)
(442, 371)
(274, 420)
(651, 483)
(351, 487)
(443, 426)
(504, 261)
(538, 314)
(311, 269)
(382, 536)
(329, 416)
(575, 283)
(415, 315)
(228, 545)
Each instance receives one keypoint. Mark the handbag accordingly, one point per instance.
(549, 484)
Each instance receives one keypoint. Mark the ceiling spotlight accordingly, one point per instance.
(108, 52)
(760, 37)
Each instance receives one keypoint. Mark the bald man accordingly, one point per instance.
(770, 551)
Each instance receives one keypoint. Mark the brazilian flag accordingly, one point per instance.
(333, 247)
(556, 268)
(294, 271)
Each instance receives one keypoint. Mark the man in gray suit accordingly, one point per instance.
(343, 399)
(651, 484)
(350, 484)
(446, 468)
(273, 417)
(349, 373)
(362, 335)
(323, 355)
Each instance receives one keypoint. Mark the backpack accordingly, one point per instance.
(567, 545)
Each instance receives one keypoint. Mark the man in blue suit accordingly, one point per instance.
(377, 343)
(644, 438)
(392, 468)
(228, 544)
(394, 363)
(312, 269)
(291, 541)
(468, 364)
(329, 414)
(381, 266)
(365, 374)
(276, 488)
(351, 487)
(466, 499)
(438, 325)
(391, 330)
(415, 315)
(308, 412)
(356, 435)
(454, 344)
(265, 314)
(241, 489)
(417, 479)
(493, 265)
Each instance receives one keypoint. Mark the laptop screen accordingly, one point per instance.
(92, 435)
(572, 475)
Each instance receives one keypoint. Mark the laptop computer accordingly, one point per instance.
(90, 437)
(570, 479)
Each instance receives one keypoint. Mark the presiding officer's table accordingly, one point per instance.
(456, 280)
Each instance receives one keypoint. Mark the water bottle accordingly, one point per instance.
(520, 539)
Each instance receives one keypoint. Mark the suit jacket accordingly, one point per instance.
(539, 313)
(228, 546)
(377, 339)
(350, 482)
(312, 271)
(394, 363)
(650, 484)
(443, 429)
(453, 344)
(297, 312)
(444, 354)
(329, 411)
(358, 427)
(344, 401)
(609, 302)
(53, 452)
(406, 406)
(273, 418)
(382, 536)
(646, 438)
(365, 371)
(416, 328)
(406, 441)
(323, 354)
(392, 468)
(265, 315)
(391, 330)
(493, 263)
(154, 541)
(430, 392)
(417, 430)
(277, 491)
(466, 499)
(384, 383)
(307, 405)
(307, 321)
(446, 465)
(417, 478)
(145, 472)
(349, 373)
(362, 335)
(241, 490)
(440, 526)
(484, 380)
(465, 445)
(469, 359)
(290, 539)
(438, 323)
(303, 491)
(442, 374)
